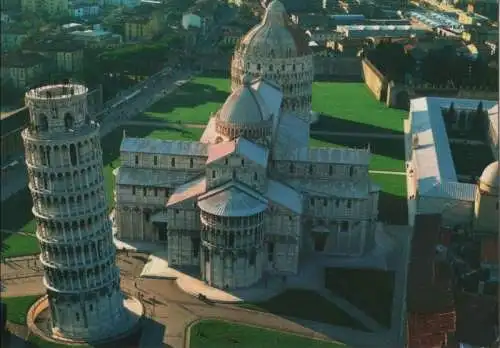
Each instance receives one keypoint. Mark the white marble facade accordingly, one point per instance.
(251, 196)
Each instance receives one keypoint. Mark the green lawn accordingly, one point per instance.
(350, 107)
(19, 245)
(375, 300)
(306, 305)
(17, 308)
(191, 103)
(392, 204)
(220, 334)
(387, 154)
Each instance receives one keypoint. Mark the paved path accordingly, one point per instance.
(173, 311)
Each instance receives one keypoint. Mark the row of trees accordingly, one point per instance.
(438, 67)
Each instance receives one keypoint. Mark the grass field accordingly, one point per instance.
(17, 307)
(220, 334)
(375, 300)
(348, 107)
(306, 305)
(387, 154)
(191, 103)
(351, 107)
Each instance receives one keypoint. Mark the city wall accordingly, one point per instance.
(398, 95)
(348, 68)
(375, 80)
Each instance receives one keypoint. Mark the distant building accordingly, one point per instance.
(83, 9)
(51, 7)
(12, 37)
(66, 54)
(380, 31)
(142, 23)
(122, 3)
(97, 38)
(23, 69)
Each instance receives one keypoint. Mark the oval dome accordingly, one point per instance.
(276, 36)
(490, 178)
(244, 106)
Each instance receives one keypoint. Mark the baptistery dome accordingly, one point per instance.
(277, 50)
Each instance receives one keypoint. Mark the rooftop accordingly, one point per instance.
(435, 168)
(429, 283)
(164, 147)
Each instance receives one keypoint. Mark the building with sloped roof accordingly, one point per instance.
(434, 186)
(251, 196)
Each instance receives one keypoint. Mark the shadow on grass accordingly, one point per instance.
(190, 95)
(393, 210)
(335, 124)
(375, 300)
(305, 305)
(16, 211)
(393, 148)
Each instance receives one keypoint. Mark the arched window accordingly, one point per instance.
(258, 67)
(173, 162)
(351, 171)
(271, 67)
(255, 176)
(242, 162)
(72, 154)
(44, 123)
(293, 67)
(191, 163)
(292, 168)
(68, 121)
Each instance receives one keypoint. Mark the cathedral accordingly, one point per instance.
(250, 197)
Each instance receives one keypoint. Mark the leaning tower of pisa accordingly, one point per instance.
(65, 169)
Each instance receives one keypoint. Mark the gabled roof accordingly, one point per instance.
(284, 195)
(331, 155)
(271, 94)
(232, 200)
(453, 190)
(189, 190)
(163, 147)
(240, 146)
(151, 177)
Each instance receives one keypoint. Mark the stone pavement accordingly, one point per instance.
(171, 311)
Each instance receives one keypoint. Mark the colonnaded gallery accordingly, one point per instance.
(251, 196)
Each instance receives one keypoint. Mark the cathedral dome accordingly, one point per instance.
(275, 37)
(490, 179)
(244, 106)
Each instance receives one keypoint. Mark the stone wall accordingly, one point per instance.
(338, 67)
(375, 80)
